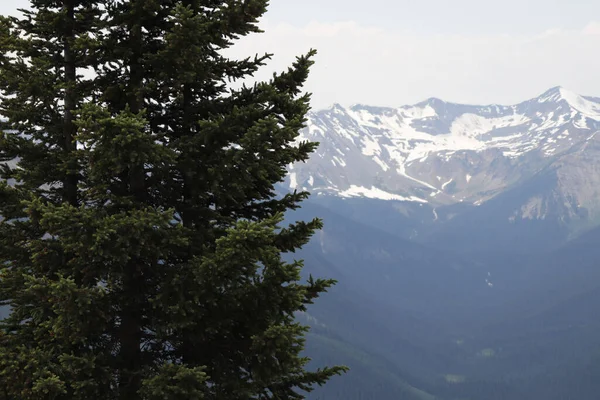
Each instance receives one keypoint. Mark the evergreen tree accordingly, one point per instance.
(141, 241)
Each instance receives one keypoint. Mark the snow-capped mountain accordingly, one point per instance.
(441, 153)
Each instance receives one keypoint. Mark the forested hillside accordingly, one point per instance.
(470, 326)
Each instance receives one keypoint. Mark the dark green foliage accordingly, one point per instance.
(141, 241)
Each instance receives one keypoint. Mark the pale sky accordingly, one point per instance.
(393, 52)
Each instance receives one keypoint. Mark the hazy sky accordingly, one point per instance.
(392, 52)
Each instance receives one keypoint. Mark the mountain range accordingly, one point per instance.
(440, 160)
(464, 239)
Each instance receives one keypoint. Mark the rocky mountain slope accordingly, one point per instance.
(437, 154)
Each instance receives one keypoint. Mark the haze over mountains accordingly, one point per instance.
(464, 241)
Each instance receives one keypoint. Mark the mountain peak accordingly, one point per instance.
(559, 93)
(585, 106)
(553, 94)
(433, 101)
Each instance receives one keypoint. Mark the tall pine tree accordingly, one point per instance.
(141, 243)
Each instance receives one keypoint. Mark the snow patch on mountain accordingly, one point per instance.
(447, 183)
(293, 180)
(586, 107)
(376, 193)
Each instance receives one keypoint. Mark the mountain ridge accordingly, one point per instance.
(435, 154)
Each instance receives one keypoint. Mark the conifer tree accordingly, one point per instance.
(141, 242)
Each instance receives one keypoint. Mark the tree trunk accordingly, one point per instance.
(132, 311)
(70, 103)
(187, 347)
